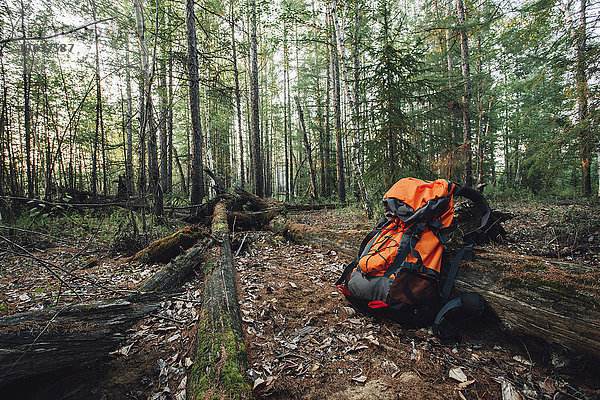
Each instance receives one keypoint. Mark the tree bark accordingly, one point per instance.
(129, 125)
(27, 110)
(175, 273)
(466, 98)
(337, 118)
(364, 196)
(163, 250)
(219, 367)
(287, 148)
(257, 165)
(313, 173)
(533, 296)
(238, 101)
(197, 177)
(162, 125)
(184, 187)
(36, 342)
(585, 135)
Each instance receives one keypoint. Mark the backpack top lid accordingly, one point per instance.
(414, 200)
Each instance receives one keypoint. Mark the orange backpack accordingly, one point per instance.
(400, 264)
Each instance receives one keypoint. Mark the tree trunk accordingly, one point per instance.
(337, 117)
(480, 112)
(37, 342)
(162, 125)
(197, 177)
(354, 117)
(313, 173)
(169, 187)
(144, 88)
(184, 188)
(27, 110)
(327, 144)
(466, 98)
(238, 101)
(3, 121)
(220, 361)
(585, 135)
(129, 125)
(257, 165)
(287, 149)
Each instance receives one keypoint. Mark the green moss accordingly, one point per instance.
(213, 373)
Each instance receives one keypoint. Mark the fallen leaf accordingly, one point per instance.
(25, 298)
(360, 379)
(257, 383)
(508, 390)
(457, 374)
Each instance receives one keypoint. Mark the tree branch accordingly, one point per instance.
(9, 40)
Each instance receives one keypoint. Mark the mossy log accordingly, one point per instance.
(37, 342)
(167, 248)
(543, 298)
(219, 369)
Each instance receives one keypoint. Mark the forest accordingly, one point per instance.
(182, 182)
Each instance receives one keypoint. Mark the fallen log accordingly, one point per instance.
(167, 248)
(175, 273)
(533, 296)
(37, 342)
(219, 368)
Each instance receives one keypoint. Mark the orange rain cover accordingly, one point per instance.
(415, 193)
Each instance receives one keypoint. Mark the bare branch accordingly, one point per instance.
(9, 40)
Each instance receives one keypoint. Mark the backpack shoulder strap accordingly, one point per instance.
(471, 238)
(463, 308)
(481, 205)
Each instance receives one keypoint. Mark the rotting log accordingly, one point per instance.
(533, 296)
(167, 248)
(256, 203)
(343, 241)
(175, 273)
(219, 368)
(37, 342)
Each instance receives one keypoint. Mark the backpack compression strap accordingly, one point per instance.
(350, 267)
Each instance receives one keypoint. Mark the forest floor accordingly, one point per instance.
(304, 340)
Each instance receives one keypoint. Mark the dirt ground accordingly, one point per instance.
(304, 339)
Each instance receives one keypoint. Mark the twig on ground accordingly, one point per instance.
(237, 253)
(36, 232)
(44, 263)
(49, 265)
